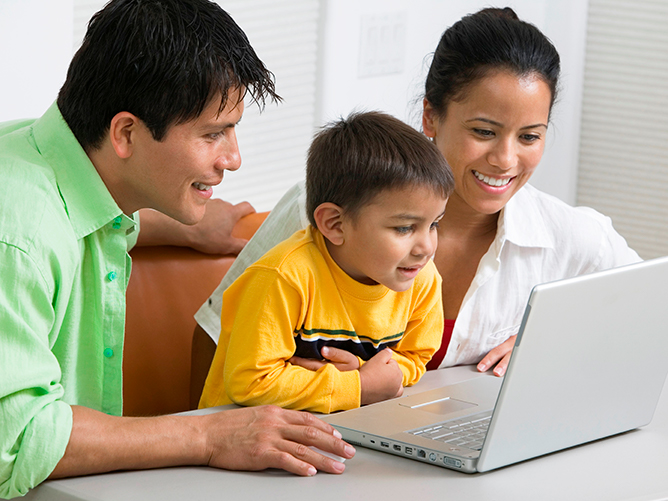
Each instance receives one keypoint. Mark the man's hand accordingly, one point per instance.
(502, 353)
(381, 378)
(252, 438)
(256, 438)
(341, 359)
(211, 235)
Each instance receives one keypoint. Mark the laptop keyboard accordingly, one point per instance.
(467, 432)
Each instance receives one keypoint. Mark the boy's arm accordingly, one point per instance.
(261, 312)
(423, 334)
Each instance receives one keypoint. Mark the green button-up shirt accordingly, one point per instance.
(64, 270)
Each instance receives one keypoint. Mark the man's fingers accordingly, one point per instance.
(243, 209)
(236, 245)
(302, 460)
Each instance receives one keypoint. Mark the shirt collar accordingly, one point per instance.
(522, 221)
(87, 200)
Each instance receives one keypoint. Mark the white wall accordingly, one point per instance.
(36, 40)
(346, 23)
(35, 51)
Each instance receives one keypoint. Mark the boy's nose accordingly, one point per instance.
(426, 245)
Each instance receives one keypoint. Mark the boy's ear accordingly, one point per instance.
(328, 219)
(123, 132)
(429, 119)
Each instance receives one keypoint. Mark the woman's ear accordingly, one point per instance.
(122, 133)
(429, 119)
(328, 218)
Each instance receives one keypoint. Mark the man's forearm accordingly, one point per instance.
(102, 443)
(253, 438)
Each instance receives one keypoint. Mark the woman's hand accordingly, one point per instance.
(341, 359)
(500, 354)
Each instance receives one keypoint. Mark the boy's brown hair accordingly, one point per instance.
(352, 160)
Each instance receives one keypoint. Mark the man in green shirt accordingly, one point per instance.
(145, 119)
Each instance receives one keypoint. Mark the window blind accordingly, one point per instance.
(623, 163)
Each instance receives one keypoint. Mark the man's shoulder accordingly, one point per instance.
(31, 208)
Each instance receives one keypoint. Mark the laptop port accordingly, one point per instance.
(397, 447)
(409, 451)
(385, 444)
(421, 454)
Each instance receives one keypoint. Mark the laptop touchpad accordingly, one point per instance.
(442, 406)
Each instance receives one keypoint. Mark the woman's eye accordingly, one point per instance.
(484, 132)
(530, 138)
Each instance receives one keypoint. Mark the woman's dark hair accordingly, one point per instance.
(491, 39)
(161, 60)
(352, 160)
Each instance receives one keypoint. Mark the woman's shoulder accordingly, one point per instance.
(556, 213)
(578, 233)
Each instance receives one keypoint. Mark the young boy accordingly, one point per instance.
(359, 278)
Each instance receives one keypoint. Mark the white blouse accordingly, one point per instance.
(539, 239)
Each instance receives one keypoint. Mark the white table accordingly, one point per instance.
(631, 466)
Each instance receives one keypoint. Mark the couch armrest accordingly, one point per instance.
(167, 286)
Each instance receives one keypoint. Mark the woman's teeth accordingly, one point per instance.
(201, 187)
(492, 181)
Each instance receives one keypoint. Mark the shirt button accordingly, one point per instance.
(118, 219)
(111, 276)
(108, 352)
(116, 226)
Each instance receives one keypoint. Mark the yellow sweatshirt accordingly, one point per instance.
(295, 300)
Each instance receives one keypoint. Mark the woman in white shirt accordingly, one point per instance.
(488, 97)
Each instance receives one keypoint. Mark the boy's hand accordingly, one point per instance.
(381, 378)
(341, 359)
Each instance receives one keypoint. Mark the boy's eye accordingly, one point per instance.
(403, 229)
(434, 225)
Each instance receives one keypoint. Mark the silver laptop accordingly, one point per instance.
(590, 361)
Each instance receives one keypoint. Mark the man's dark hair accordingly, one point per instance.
(352, 160)
(161, 60)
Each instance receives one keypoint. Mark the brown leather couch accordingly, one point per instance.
(167, 286)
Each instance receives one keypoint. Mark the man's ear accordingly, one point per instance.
(429, 119)
(123, 133)
(328, 218)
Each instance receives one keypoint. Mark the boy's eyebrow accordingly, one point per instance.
(413, 217)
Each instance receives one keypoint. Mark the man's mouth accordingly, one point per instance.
(492, 181)
(202, 187)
